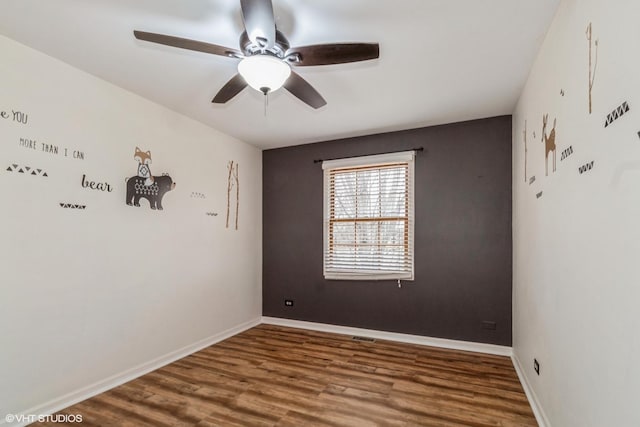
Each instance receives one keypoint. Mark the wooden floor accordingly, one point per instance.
(276, 376)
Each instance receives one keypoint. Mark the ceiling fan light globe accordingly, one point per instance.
(264, 71)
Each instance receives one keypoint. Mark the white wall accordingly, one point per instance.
(90, 294)
(577, 248)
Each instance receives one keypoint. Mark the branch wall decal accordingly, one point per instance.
(592, 71)
(233, 181)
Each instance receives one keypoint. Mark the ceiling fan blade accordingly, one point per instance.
(300, 88)
(229, 90)
(259, 21)
(187, 44)
(336, 53)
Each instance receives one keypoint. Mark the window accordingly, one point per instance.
(368, 217)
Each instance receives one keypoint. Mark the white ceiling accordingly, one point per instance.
(441, 61)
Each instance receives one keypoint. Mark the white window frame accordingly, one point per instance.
(364, 161)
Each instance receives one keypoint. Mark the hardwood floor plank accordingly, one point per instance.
(297, 419)
(276, 376)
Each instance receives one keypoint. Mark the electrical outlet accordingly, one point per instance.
(536, 366)
(288, 303)
(489, 324)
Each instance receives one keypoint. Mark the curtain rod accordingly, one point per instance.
(418, 149)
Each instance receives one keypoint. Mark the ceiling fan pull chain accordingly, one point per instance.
(266, 102)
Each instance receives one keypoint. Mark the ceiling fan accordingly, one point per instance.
(266, 56)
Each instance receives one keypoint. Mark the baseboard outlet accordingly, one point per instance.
(84, 393)
(392, 336)
(541, 417)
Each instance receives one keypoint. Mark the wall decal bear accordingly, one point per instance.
(136, 190)
(146, 186)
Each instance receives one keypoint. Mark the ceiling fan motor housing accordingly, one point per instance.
(279, 49)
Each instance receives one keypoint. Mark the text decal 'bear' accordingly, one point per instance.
(145, 186)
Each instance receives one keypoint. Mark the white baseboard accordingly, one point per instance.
(84, 393)
(541, 417)
(392, 336)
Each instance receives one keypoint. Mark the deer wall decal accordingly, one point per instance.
(549, 143)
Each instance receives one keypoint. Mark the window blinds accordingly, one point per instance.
(369, 217)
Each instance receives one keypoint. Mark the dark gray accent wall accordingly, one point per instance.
(463, 242)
